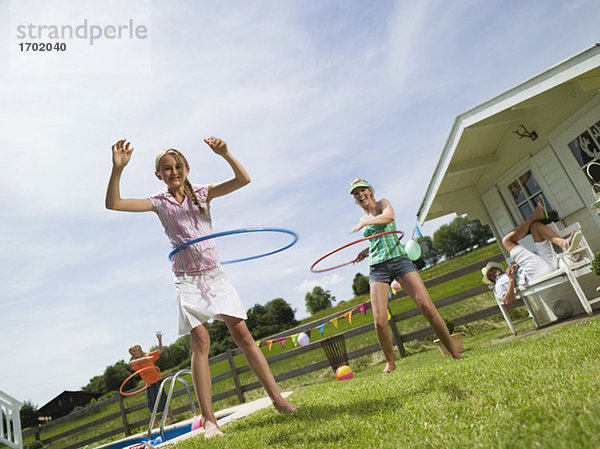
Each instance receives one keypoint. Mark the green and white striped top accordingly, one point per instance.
(385, 247)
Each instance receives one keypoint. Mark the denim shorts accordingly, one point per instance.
(391, 269)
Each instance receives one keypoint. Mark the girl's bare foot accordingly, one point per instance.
(212, 430)
(285, 407)
(389, 367)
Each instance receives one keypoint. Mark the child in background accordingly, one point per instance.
(140, 361)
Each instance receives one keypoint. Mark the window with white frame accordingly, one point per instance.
(586, 149)
(525, 192)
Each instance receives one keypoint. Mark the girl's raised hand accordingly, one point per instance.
(217, 145)
(121, 153)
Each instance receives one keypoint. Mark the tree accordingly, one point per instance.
(220, 338)
(479, 234)
(275, 316)
(460, 235)
(318, 300)
(453, 238)
(282, 313)
(360, 284)
(256, 317)
(419, 263)
(96, 385)
(114, 375)
(175, 354)
(429, 253)
(29, 414)
(445, 242)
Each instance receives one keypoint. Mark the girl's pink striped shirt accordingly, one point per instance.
(184, 222)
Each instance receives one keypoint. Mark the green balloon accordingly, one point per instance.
(413, 250)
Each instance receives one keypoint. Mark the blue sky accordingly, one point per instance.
(308, 95)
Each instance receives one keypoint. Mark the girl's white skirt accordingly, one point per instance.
(206, 296)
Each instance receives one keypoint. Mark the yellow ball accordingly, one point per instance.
(344, 372)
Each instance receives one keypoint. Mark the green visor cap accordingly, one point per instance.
(360, 184)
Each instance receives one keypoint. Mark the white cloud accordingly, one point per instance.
(326, 282)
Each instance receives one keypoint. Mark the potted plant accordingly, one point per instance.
(455, 337)
(596, 266)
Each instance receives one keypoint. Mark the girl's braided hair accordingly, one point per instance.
(187, 185)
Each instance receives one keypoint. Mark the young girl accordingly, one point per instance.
(388, 261)
(203, 290)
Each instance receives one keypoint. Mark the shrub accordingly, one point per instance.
(360, 284)
(596, 264)
(449, 325)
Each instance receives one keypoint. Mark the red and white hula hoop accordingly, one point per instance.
(312, 268)
(131, 393)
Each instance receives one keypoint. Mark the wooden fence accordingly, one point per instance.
(125, 427)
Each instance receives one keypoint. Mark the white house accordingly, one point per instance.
(535, 139)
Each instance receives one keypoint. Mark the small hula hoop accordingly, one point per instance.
(239, 231)
(131, 393)
(312, 267)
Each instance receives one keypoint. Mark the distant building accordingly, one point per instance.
(64, 403)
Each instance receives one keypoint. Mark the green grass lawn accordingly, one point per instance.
(423, 355)
(542, 391)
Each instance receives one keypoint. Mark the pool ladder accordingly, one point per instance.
(173, 379)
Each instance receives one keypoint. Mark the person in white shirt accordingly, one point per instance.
(528, 265)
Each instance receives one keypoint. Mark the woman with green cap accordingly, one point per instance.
(388, 261)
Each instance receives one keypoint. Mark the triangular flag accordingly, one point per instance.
(417, 232)
(282, 340)
(349, 315)
(295, 339)
(270, 343)
(363, 308)
(258, 343)
(334, 321)
(321, 328)
(389, 315)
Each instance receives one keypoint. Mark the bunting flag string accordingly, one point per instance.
(321, 328)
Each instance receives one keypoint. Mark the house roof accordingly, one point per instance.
(52, 403)
(478, 132)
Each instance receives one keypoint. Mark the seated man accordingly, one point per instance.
(528, 265)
